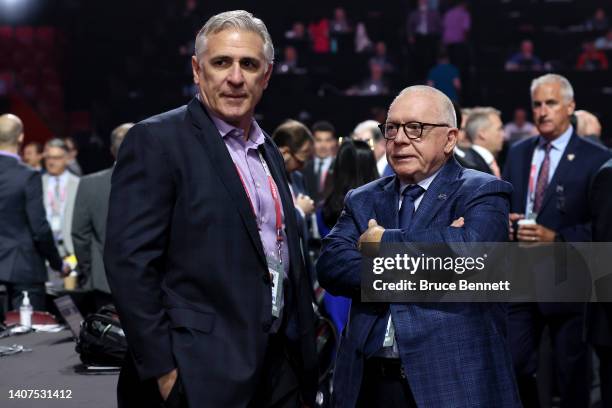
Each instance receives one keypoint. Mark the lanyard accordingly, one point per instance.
(275, 198)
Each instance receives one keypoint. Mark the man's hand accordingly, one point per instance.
(305, 203)
(535, 233)
(511, 220)
(372, 235)
(66, 269)
(166, 382)
(458, 223)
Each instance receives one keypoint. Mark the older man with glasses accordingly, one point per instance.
(419, 354)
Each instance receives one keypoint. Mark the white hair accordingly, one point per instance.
(234, 20)
(368, 126)
(445, 106)
(567, 92)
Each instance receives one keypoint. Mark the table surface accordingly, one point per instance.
(51, 366)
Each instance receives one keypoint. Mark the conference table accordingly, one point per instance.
(52, 365)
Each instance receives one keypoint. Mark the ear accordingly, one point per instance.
(267, 75)
(571, 107)
(451, 140)
(195, 68)
(20, 139)
(286, 152)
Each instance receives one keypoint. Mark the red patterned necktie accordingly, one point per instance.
(542, 182)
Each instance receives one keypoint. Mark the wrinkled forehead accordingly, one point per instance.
(234, 42)
(415, 106)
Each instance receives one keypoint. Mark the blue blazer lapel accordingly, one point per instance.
(440, 190)
(562, 168)
(213, 145)
(386, 204)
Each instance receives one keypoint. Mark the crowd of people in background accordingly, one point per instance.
(322, 166)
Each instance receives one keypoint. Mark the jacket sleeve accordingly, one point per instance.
(82, 230)
(140, 207)
(339, 264)
(485, 215)
(37, 219)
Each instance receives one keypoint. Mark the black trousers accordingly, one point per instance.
(571, 354)
(384, 385)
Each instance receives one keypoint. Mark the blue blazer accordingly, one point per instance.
(565, 208)
(454, 354)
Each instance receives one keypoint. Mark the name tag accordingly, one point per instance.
(56, 223)
(276, 274)
(389, 334)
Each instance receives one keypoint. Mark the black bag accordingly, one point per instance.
(101, 339)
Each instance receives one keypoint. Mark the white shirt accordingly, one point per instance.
(381, 164)
(484, 153)
(425, 183)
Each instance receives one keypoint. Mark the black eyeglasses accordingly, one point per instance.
(413, 130)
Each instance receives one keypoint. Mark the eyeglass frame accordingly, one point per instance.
(422, 125)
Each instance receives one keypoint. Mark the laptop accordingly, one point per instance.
(70, 313)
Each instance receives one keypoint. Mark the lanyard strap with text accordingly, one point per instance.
(277, 204)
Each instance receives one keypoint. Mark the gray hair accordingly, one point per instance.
(479, 119)
(59, 143)
(567, 92)
(117, 136)
(368, 126)
(11, 128)
(235, 20)
(446, 107)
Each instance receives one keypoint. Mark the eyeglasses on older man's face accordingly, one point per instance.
(413, 130)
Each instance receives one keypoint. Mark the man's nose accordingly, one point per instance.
(235, 75)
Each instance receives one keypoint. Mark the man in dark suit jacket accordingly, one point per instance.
(447, 354)
(599, 315)
(89, 225)
(202, 253)
(316, 170)
(551, 174)
(25, 236)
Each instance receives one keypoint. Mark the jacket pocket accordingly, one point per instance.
(200, 321)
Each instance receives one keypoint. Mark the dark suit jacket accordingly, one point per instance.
(186, 265)
(599, 316)
(473, 160)
(454, 354)
(565, 208)
(89, 228)
(25, 235)
(311, 183)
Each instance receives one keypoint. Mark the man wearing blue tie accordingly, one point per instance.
(441, 354)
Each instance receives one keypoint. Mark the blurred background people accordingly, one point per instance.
(73, 165)
(354, 166)
(89, 225)
(486, 131)
(317, 170)
(445, 77)
(519, 128)
(26, 240)
(524, 59)
(368, 131)
(33, 155)
(59, 191)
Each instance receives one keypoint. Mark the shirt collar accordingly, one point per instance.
(425, 183)
(8, 154)
(486, 154)
(559, 143)
(256, 135)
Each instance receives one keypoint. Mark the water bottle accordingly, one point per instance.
(25, 311)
